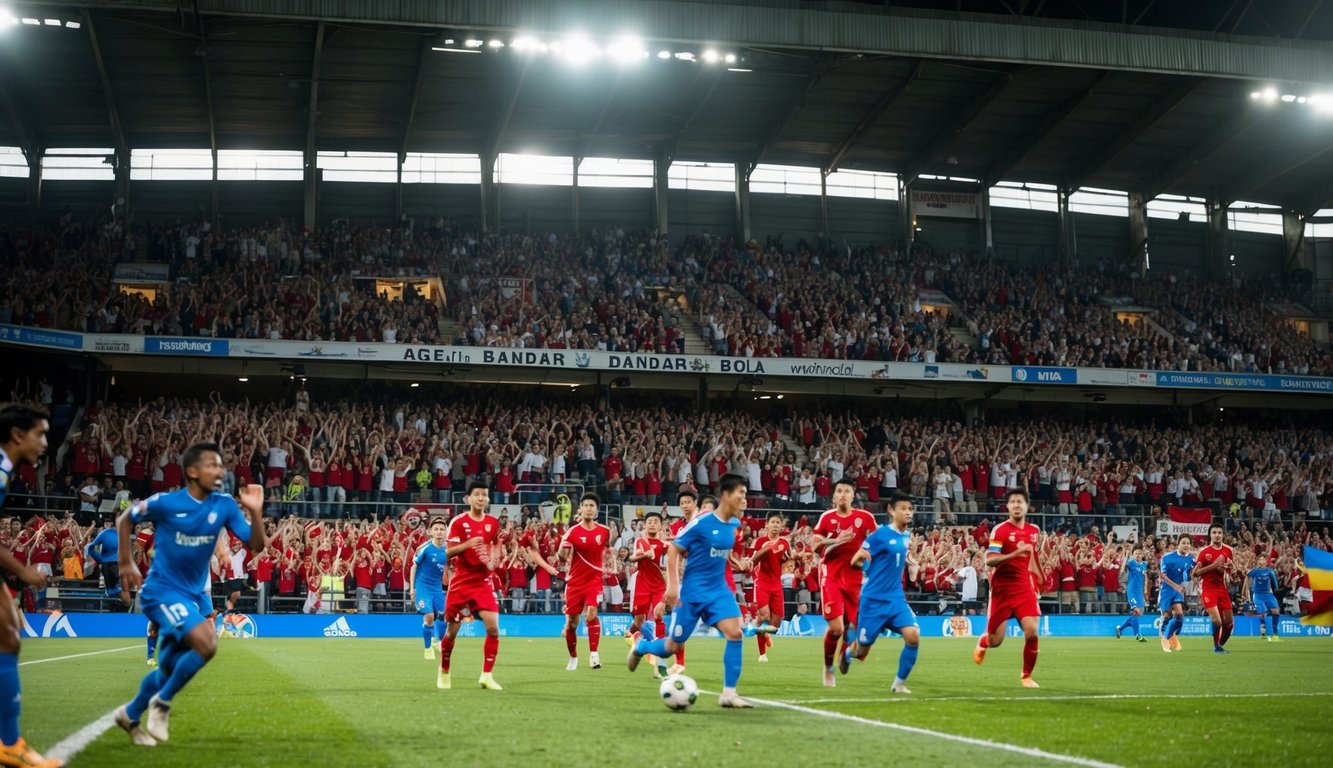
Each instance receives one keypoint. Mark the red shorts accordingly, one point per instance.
(643, 601)
(772, 598)
(1004, 606)
(838, 598)
(472, 599)
(1217, 598)
(581, 596)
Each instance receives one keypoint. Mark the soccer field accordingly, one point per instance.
(353, 702)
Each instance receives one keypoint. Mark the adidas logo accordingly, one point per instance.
(339, 628)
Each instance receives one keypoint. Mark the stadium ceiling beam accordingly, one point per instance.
(860, 28)
(818, 69)
(960, 123)
(1161, 107)
(715, 79)
(1246, 184)
(1000, 168)
(1199, 151)
(418, 81)
(312, 110)
(872, 116)
(108, 95)
(506, 111)
(20, 122)
(208, 84)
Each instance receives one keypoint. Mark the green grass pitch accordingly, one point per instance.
(355, 702)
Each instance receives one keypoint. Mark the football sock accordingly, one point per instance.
(1029, 656)
(1226, 632)
(426, 630)
(680, 655)
(166, 660)
(152, 644)
(759, 640)
(1177, 625)
(830, 647)
(661, 631)
(1272, 620)
(572, 642)
(907, 659)
(10, 702)
(1134, 624)
(150, 685)
(446, 652)
(984, 642)
(1217, 635)
(646, 632)
(653, 648)
(731, 663)
(187, 666)
(440, 628)
(594, 634)
(490, 649)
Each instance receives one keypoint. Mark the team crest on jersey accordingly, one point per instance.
(857, 522)
(212, 517)
(1013, 537)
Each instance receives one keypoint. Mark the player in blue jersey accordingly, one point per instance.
(104, 549)
(1260, 584)
(1136, 568)
(702, 592)
(427, 584)
(22, 441)
(883, 603)
(186, 527)
(1176, 568)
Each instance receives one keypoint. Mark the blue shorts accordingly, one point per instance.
(1168, 598)
(430, 602)
(875, 616)
(709, 608)
(1265, 603)
(1136, 601)
(175, 613)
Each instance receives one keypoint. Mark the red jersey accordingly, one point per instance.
(768, 568)
(1013, 575)
(677, 526)
(471, 569)
(838, 557)
(650, 573)
(1215, 580)
(589, 545)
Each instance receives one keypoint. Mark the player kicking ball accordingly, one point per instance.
(1011, 558)
(187, 523)
(883, 602)
(701, 593)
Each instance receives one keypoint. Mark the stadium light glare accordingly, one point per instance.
(1270, 94)
(242, 379)
(730, 58)
(1255, 95)
(711, 56)
(54, 23)
(7, 19)
(73, 25)
(32, 22)
(1301, 99)
(455, 50)
(1288, 98)
(739, 69)
(415, 384)
(664, 55)
(473, 43)
(496, 44)
(685, 56)
(524, 44)
(578, 50)
(627, 50)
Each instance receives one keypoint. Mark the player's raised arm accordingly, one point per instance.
(252, 501)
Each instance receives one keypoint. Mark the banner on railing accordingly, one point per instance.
(954, 205)
(1190, 521)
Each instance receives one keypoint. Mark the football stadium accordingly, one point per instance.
(666, 382)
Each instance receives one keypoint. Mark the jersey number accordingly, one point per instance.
(176, 613)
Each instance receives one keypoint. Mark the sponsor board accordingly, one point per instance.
(954, 205)
(41, 337)
(1030, 374)
(171, 346)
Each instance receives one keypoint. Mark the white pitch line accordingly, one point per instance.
(76, 742)
(1028, 751)
(80, 655)
(1083, 697)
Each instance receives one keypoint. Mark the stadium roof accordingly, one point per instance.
(1000, 90)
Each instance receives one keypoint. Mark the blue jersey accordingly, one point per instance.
(1177, 567)
(185, 533)
(105, 548)
(6, 473)
(888, 557)
(1138, 573)
(1262, 581)
(706, 543)
(430, 561)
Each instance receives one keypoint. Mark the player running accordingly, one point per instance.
(1137, 569)
(187, 523)
(583, 546)
(1260, 584)
(839, 534)
(701, 593)
(1214, 565)
(104, 550)
(427, 584)
(768, 600)
(649, 557)
(1175, 568)
(23, 431)
(883, 601)
(471, 536)
(1011, 558)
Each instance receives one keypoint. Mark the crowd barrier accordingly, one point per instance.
(57, 625)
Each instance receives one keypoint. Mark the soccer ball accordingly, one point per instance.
(679, 692)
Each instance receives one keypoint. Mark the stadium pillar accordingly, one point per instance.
(986, 236)
(661, 165)
(574, 194)
(487, 189)
(905, 219)
(823, 206)
(35, 188)
(1138, 233)
(1219, 240)
(1068, 248)
(1296, 253)
(743, 202)
(310, 177)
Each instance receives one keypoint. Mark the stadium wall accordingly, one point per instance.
(613, 625)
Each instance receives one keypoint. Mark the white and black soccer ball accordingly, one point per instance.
(679, 692)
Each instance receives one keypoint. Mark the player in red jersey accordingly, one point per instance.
(839, 534)
(768, 602)
(649, 579)
(1214, 563)
(584, 545)
(471, 536)
(1014, 575)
